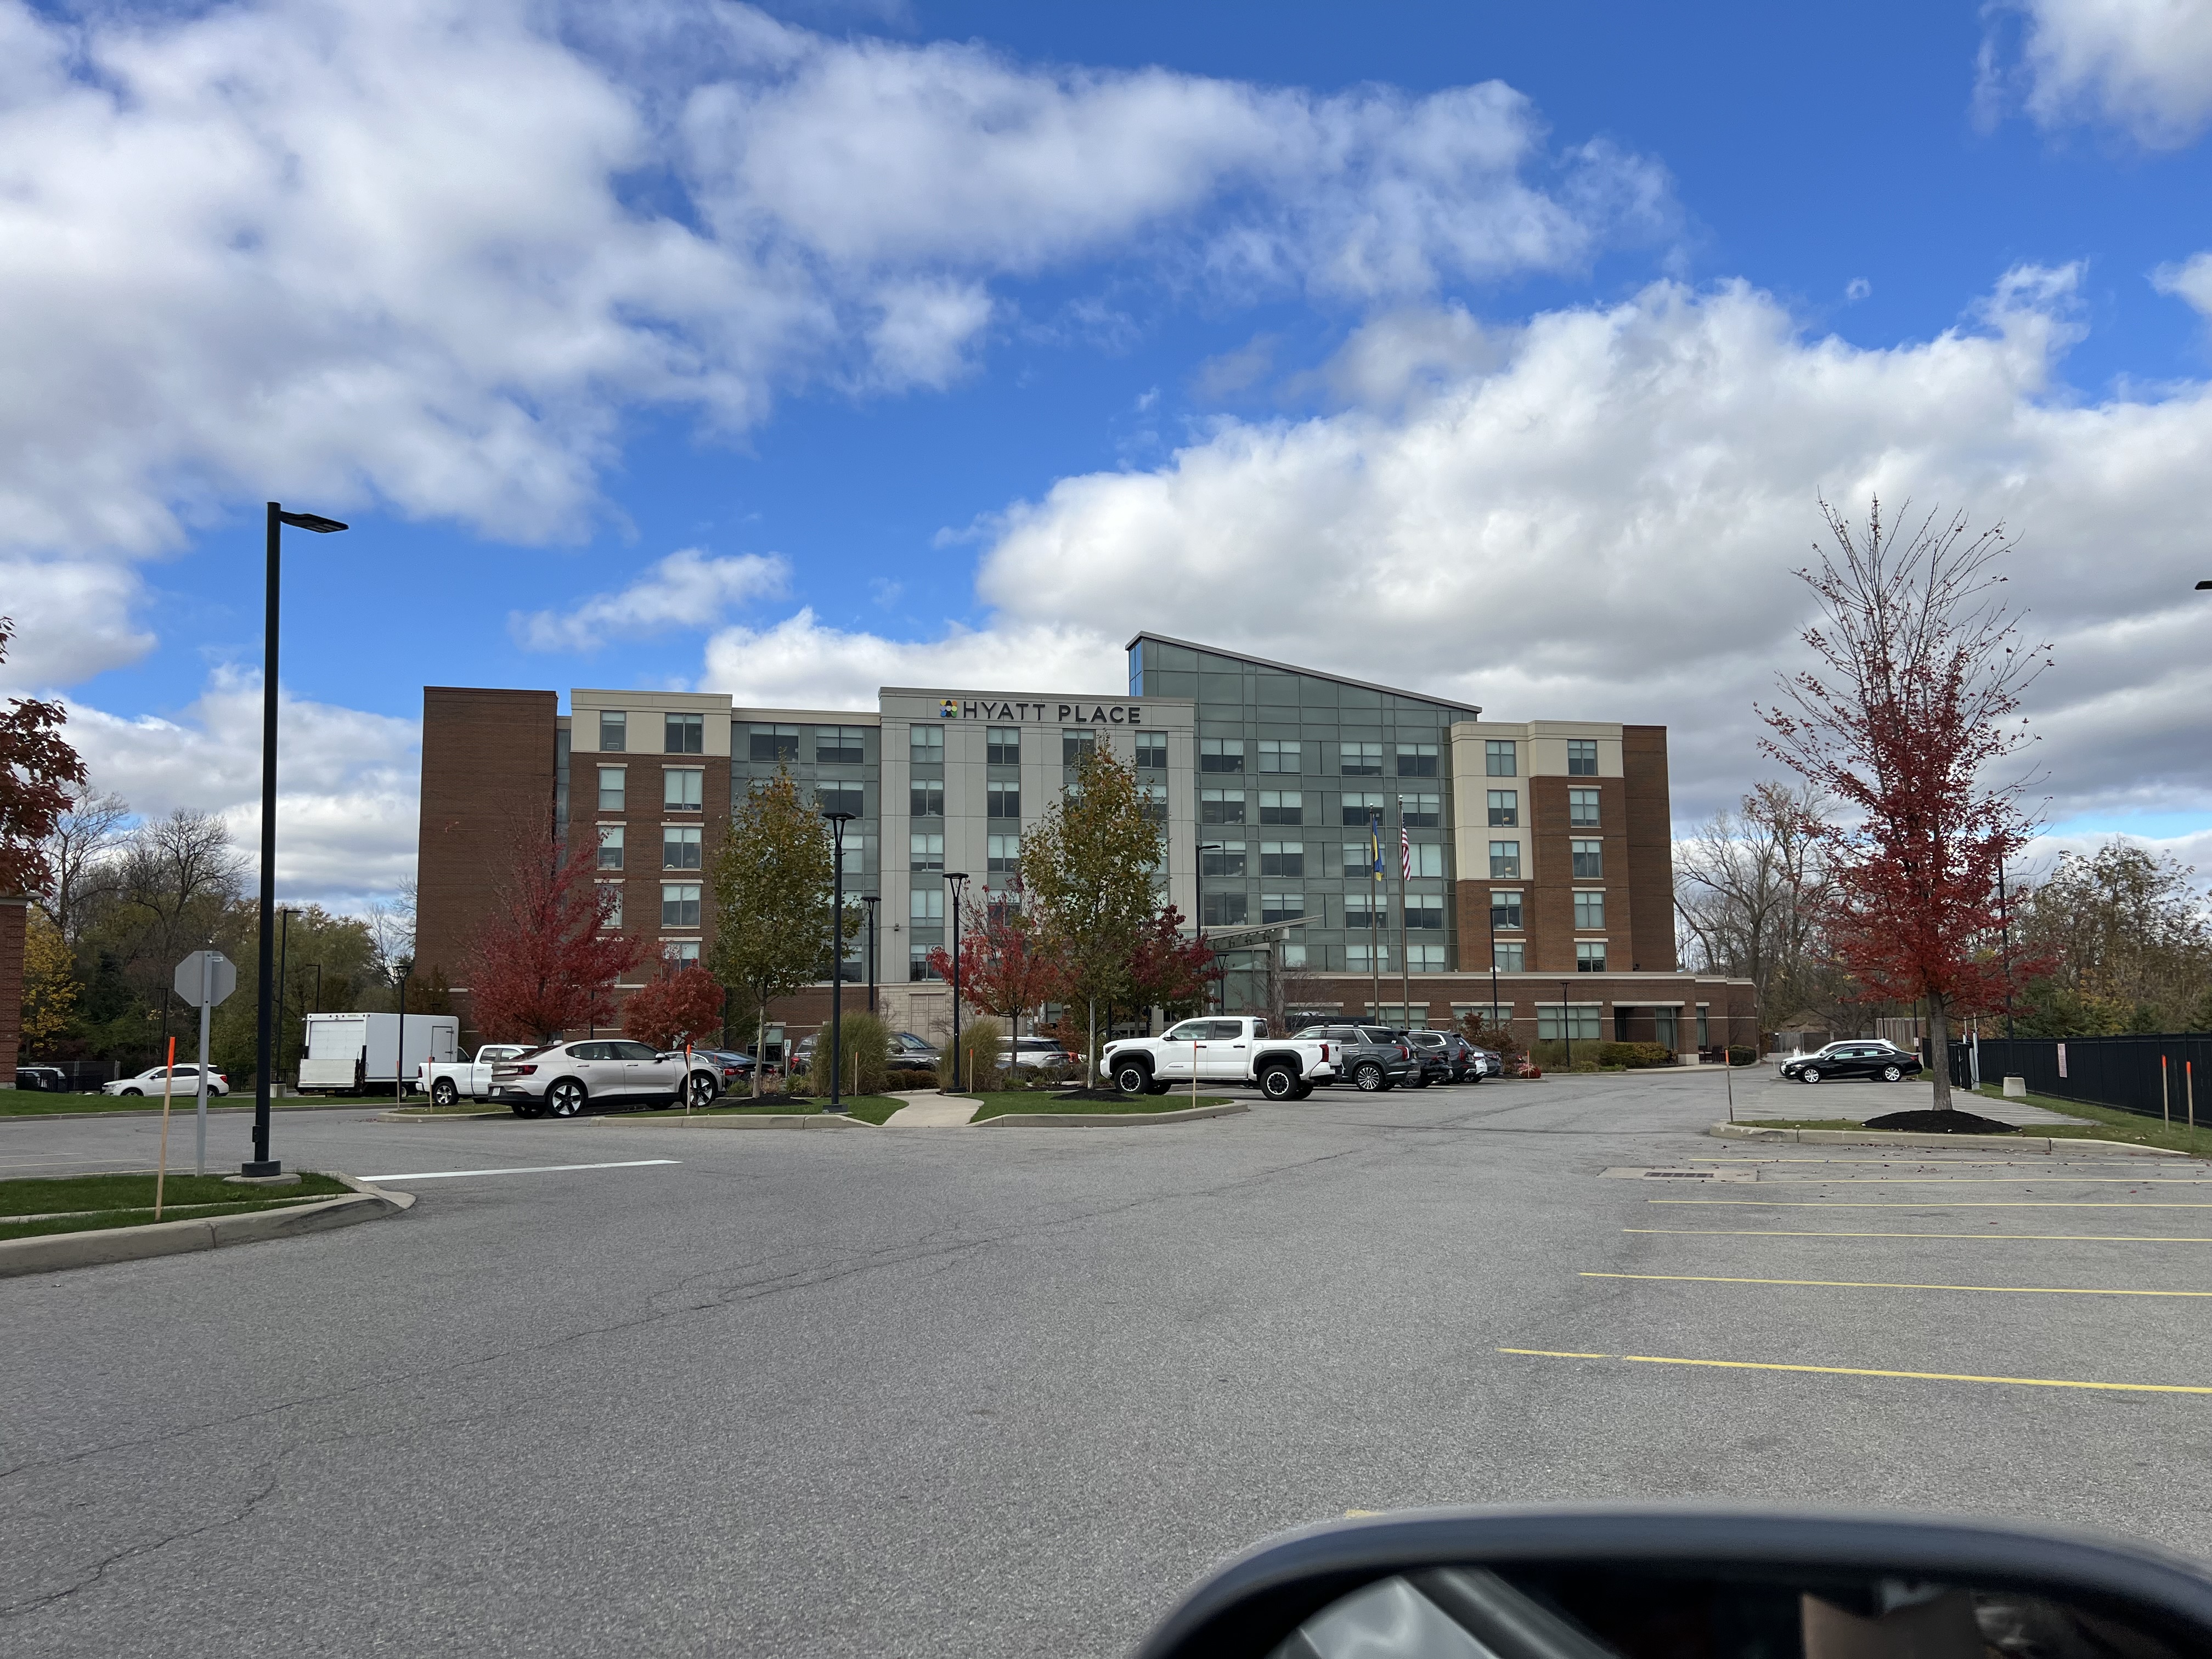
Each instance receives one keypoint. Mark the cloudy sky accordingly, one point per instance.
(1500, 351)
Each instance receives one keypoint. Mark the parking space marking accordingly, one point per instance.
(1997, 1181)
(1927, 1203)
(1880, 1285)
(532, 1169)
(2056, 1238)
(1863, 1370)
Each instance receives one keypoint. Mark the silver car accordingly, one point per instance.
(563, 1078)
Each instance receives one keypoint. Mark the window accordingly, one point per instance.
(1425, 959)
(611, 788)
(679, 846)
(925, 853)
(1581, 1023)
(1358, 809)
(1668, 1025)
(1077, 746)
(1282, 858)
(1221, 754)
(1704, 1026)
(1498, 758)
(917, 962)
(679, 904)
(683, 734)
(1227, 909)
(1582, 757)
(680, 953)
(1428, 858)
(924, 797)
(611, 895)
(1222, 859)
(1420, 811)
(925, 744)
(1221, 806)
(1364, 958)
(1153, 802)
(1589, 909)
(1002, 746)
(1581, 809)
(1417, 760)
(1292, 955)
(1506, 860)
(838, 745)
(1366, 908)
(925, 905)
(850, 799)
(1505, 809)
(1506, 911)
(1282, 907)
(611, 846)
(1282, 806)
(1588, 859)
(1153, 749)
(1359, 760)
(1276, 757)
(1424, 911)
(775, 743)
(1004, 853)
(1003, 801)
(614, 730)
(1358, 860)
(682, 789)
(1509, 957)
(1589, 956)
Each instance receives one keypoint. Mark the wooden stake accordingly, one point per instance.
(162, 1169)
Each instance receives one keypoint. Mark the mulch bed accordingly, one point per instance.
(1954, 1122)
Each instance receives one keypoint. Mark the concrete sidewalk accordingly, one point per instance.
(927, 1110)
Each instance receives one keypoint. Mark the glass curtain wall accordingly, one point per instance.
(836, 767)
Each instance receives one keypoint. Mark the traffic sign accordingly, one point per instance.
(221, 977)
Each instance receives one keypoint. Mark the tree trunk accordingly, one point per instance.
(1939, 1044)
(760, 1046)
(1090, 1049)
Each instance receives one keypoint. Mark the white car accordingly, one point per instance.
(183, 1080)
(1236, 1050)
(562, 1078)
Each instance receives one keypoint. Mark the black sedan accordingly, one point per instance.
(1876, 1061)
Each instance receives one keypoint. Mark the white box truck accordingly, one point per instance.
(347, 1053)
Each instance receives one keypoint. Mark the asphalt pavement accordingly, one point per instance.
(1009, 1392)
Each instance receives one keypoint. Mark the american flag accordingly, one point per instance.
(1405, 853)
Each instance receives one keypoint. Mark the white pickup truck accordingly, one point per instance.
(448, 1080)
(1221, 1050)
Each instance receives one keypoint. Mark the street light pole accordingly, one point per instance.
(837, 823)
(1205, 993)
(1566, 1025)
(283, 983)
(957, 881)
(261, 1164)
(871, 900)
(405, 966)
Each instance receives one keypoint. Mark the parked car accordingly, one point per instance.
(734, 1067)
(1493, 1062)
(1371, 1057)
(912, 1054)
(49, 1079)
(1459, 1060)
(1237, 1050)
(183, 1080)
(447, 1080)
(1868, 1057)
(1034, 1053)
(564, 1077)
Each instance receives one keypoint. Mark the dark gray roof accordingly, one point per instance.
(1474, 709)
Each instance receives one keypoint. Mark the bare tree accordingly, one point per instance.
(175, 880)
(83, 852)
(1750, 886)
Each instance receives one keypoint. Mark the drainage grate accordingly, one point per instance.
(1628, 1173)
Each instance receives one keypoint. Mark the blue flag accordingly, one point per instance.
(1375, 844)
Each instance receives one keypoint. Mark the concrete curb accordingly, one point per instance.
(1106, 1120)
(455, 1117)
(55, 1251)
(735, 1121)
(2046, 1144)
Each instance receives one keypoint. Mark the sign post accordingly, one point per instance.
(204, 979)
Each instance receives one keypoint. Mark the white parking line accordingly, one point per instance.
(532, 1168)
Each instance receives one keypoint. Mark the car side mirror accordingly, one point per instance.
(1621, 1584)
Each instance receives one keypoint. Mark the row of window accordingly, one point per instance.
(1353, 760)
(1501, 757)
(1003, 801)
(1589, 911)
(834, 746)
(1505, 809)
(1420, 958)
(680, 846)
(1512, 957)
(682, 789)
(1422, 911)
(1587, 858)
(1002, 746)
(925, 854)
(679, 904)
(1288, 858)
(680, 734)
(1289, 806)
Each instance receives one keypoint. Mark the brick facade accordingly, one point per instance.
(488, 764)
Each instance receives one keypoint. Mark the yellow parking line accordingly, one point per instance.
(1879, 1284)
(1931, 1204)
(2065, 1238)
(1861, 1371)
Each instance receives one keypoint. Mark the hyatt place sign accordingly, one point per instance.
(1068, 714)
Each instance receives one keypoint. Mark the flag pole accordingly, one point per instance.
(1373, 945)
(1405, 964)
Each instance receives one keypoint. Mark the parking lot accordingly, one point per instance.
(1005, 1392)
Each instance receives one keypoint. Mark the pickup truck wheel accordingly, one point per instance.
(1369, 1078)
(1278, 1083)
(565, 1098)
(1132, 1077)
(442, 1092)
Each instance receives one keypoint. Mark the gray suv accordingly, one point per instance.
(1371, 1057)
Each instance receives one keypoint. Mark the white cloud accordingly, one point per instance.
(2189, 281)
(686, 589)
(800, 663)
(72, 620)
(2144, 66)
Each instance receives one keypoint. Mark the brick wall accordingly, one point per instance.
(1650, 848)
(488, 766)
(15, 917)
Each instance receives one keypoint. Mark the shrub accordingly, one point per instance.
(981, 1039)
(866, 1044)
(1634, 1054)
(1740, 1054)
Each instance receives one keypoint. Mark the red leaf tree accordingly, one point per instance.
(36, 767)
(1167, 970)
(1915, 701)
(675, 1009)
(1007, 964)
(547, 956)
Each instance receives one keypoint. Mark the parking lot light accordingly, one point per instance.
(837, 823)
(957, 880)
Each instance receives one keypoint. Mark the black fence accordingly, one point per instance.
(2152, 1076)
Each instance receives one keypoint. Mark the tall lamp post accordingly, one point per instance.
(405, 966)
(1566, 1025)
(283, 983)
(957, 881)
(871, 900)
(837, 823)
(1205, 1002)
(261, 1164)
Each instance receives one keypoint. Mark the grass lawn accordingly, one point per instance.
(1005, 1102)
(36, 1103)
(79, 1203)
(869, 1109)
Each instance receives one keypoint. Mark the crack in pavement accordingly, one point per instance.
(101, 1568)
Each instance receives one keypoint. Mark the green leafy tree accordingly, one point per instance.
(1088, 865)
(771, 882)
(2128, 940)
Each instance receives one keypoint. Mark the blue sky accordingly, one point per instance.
(537, 309)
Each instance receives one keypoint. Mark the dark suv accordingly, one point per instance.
(1449, 1057)
(1371, 1058)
